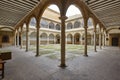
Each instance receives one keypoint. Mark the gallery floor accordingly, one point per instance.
(101, 65)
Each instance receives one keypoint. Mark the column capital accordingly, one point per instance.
(63, 17)
(37, 24)
(85, 27)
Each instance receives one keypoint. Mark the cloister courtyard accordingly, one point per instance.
(52, 51)
(59, 40)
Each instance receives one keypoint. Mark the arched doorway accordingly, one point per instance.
(69, 39)
(51, 39)
(5, 39)
(77, 38)
(43, 38)
(57, 39)
(33, 38)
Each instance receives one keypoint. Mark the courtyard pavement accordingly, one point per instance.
(101, 65)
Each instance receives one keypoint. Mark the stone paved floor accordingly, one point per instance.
(102, 65)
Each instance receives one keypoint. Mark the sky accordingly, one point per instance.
(72, 10)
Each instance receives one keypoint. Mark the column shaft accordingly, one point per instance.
(27, 37)
(100, 41)
(103, 40)
(21, 40)
(15, 38)
(63, 18)
(18, 39)
(85, 50)
(95, 41)
(37, 40)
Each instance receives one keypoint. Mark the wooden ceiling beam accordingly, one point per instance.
(109, 15)
(105, 4)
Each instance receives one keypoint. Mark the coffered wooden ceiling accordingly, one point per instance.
(12, 11)
(107, 11)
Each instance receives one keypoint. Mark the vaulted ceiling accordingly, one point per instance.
(107, 11)
(12, 11)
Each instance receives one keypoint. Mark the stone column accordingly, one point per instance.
(85, 49)
(100, 40)
(95, 36)
(103, 39)
(21, 38)
(27, 37)
(63, 64)
(15, 38)
(18, 38)
(81, 42)
(37, 37)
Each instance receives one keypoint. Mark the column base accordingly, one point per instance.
(37, 55)
(62, 66)
(85, 55)
(26, 51)
(95, 50)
